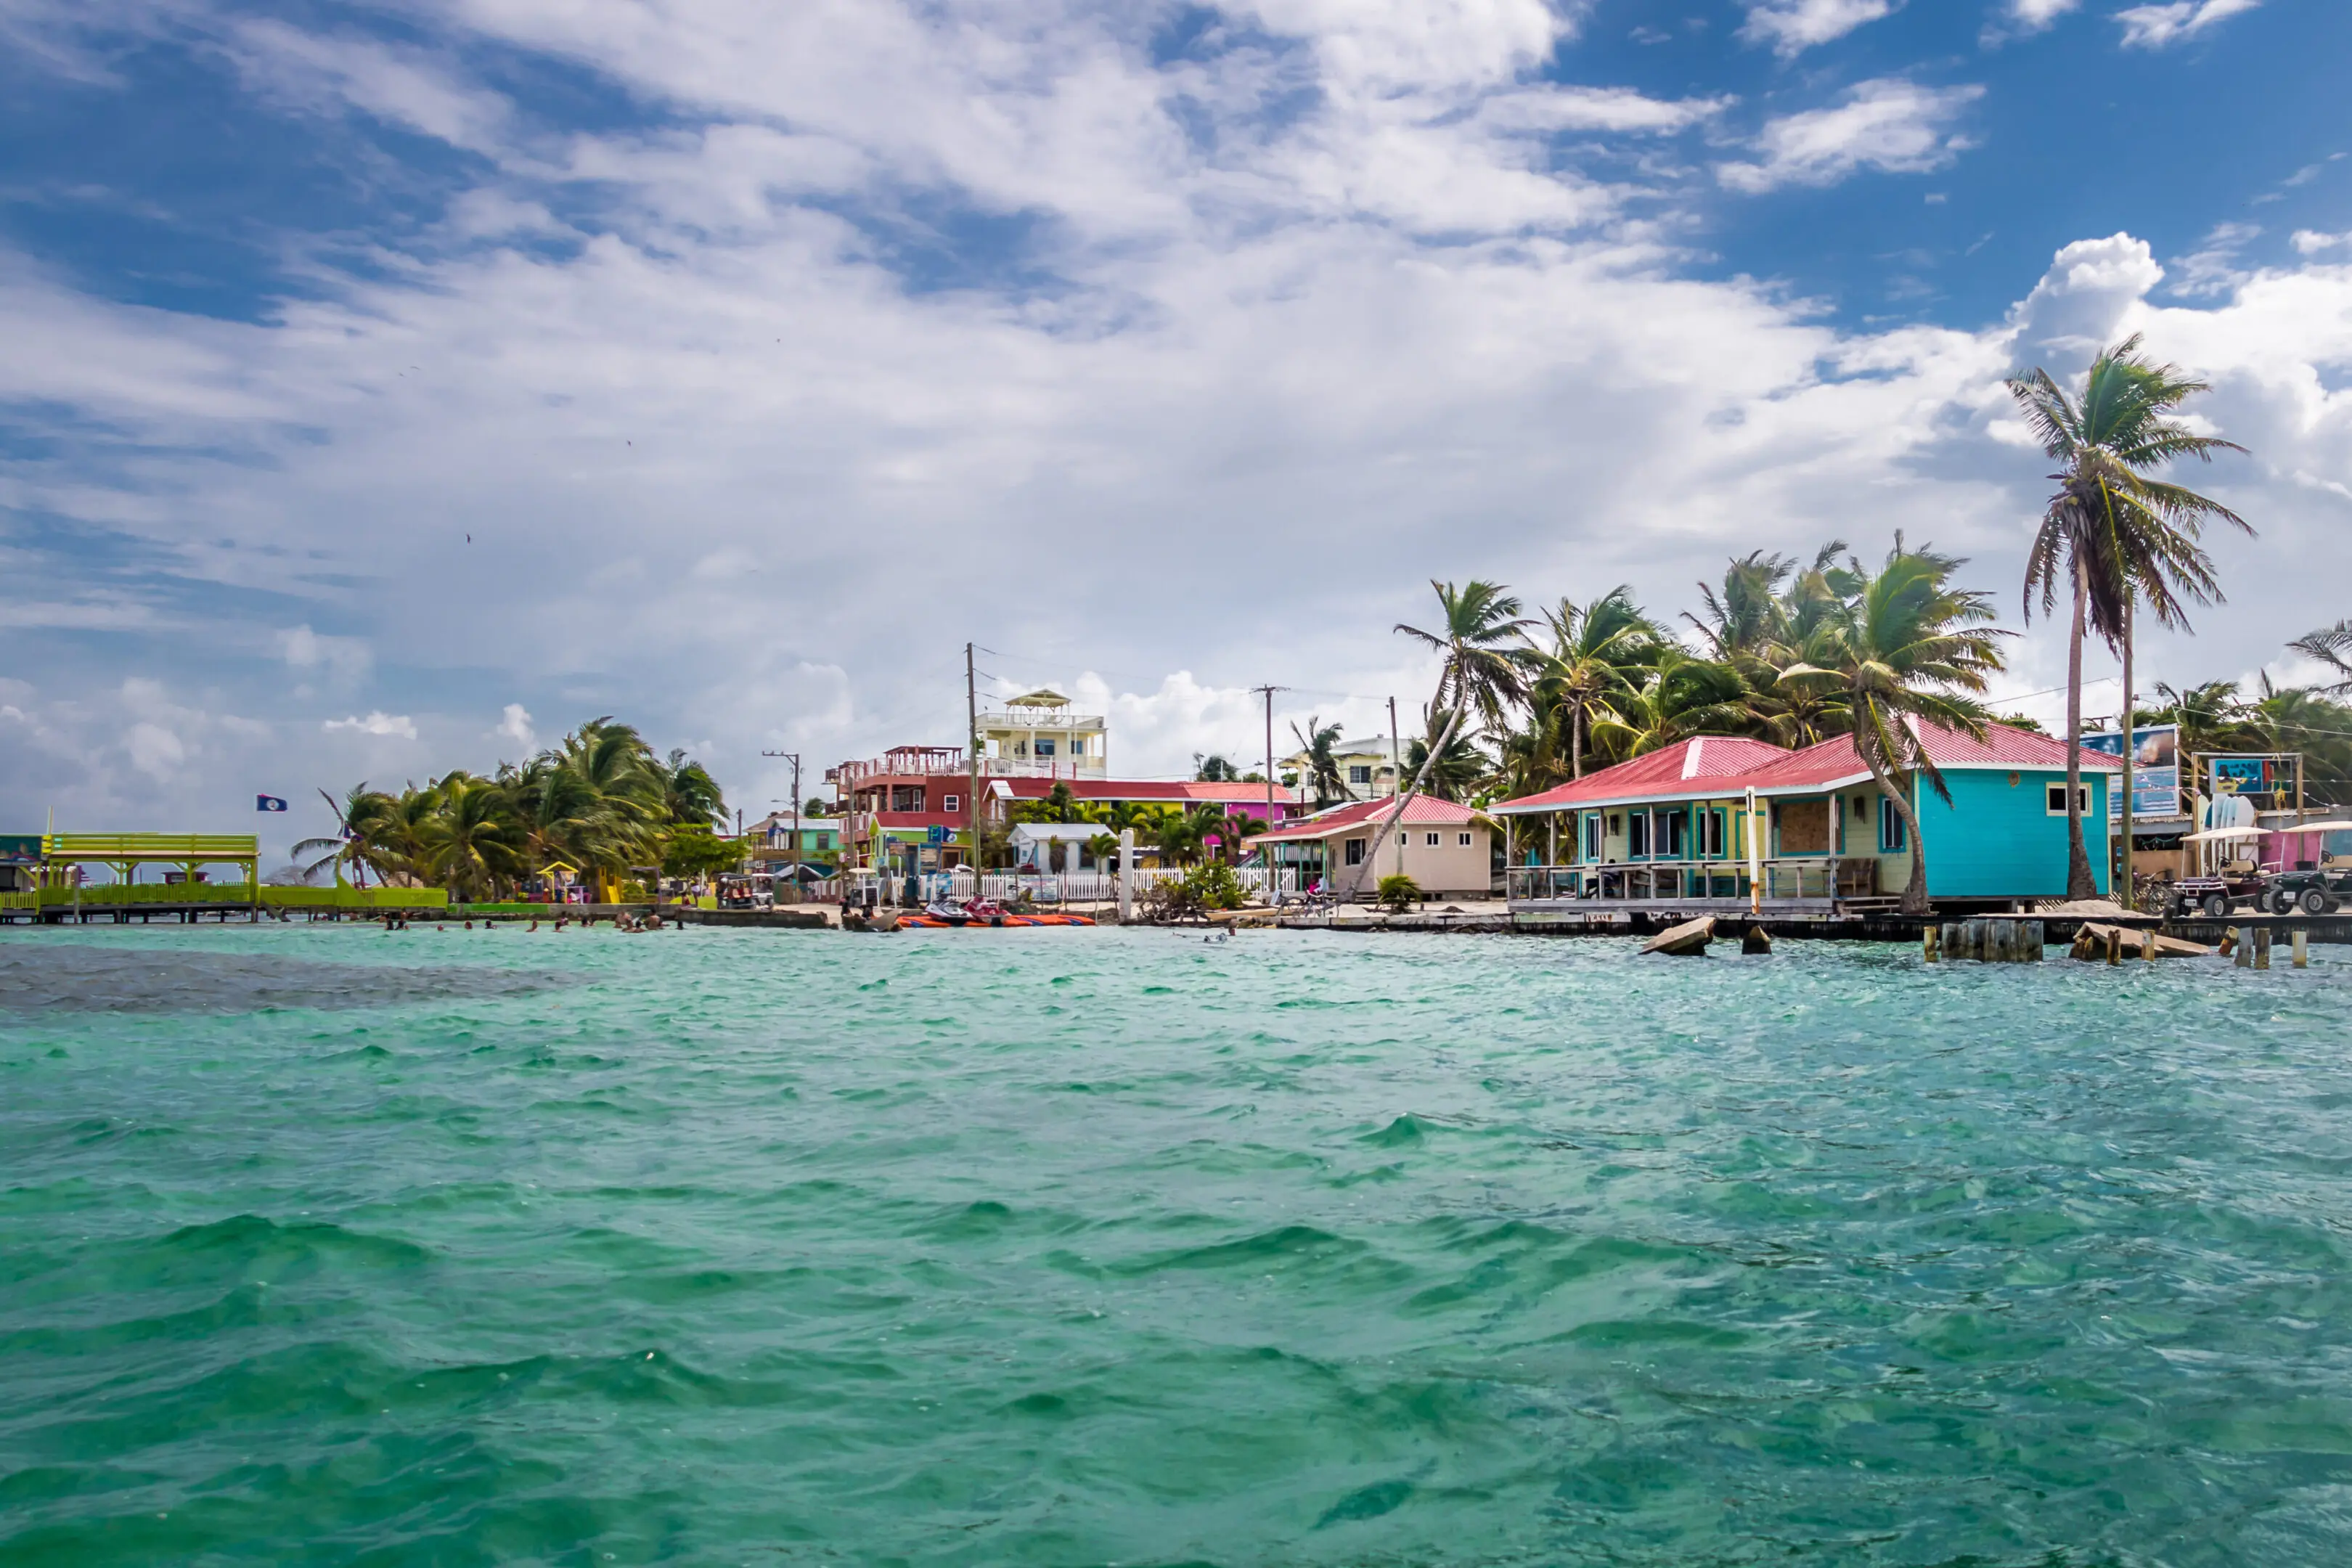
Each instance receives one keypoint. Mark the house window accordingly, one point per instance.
(1044, 747)
(1592, 836)
(1670, 835)
(1637, 835)
(1462, 840)
(949, 803)
(1355, 851)
(1894, 833)
(1359, 775)
(1711, 836)
(1432, 841)
(2057, 800)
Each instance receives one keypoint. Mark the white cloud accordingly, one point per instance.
(1888, 124)
(2310, 242)
(1281, 333)
(2155, 26)
(378, 722)
(344, 659)
(1792, 27)
(1596, 108)
(2033, 16)
(2214, 268)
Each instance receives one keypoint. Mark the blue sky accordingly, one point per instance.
(393, 386)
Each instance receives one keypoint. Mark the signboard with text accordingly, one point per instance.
(2156, 770)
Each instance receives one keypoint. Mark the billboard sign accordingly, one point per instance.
(2156, 770)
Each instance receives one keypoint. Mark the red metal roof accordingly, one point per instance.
(1422, 808)
(1181, 790)
(1719, 766)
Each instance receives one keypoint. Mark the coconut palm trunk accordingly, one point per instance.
(2080, 882)
(1405, 801)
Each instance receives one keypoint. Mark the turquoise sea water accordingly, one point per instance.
(332, 1246)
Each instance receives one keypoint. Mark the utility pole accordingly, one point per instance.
(1396, 783)
(971, 754)
(1267, 692)
(794, 758)
(2124, 894)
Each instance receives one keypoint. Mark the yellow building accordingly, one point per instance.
(1035, 736)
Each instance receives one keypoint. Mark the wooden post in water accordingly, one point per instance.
(2261, 947)
(2302, 948)
(2147, 945)
(2114, 946)
(1930, 938)
(2035, 940)
(2245, 947)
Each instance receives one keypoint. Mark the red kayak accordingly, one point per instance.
(947, 923)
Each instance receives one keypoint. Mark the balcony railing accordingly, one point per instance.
(1824, 879)
(1041, 719)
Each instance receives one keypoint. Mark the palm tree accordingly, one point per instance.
(1457, 774)
(2115, 534)
(473, 843)
(1747, 613)
(1481, 637)
(1233, 830)
(1318, 742)
(362, 819)
(1909, 647)
(1214, 769)
(2332, 646)
(1598, 652)
(688, 792)
(2211, 718)
(1686, 696)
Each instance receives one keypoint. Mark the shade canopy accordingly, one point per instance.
(2212, 834)
(2317, 827)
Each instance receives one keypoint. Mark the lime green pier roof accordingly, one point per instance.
(178, 848)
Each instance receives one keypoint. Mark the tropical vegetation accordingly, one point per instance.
(600, 802)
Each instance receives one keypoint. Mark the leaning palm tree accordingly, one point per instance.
(2113, 534)
(1481, 637)
(1910, 648)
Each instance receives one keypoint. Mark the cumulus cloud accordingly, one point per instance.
(2308, 242)
(515, 725)
(2215, 266)
(1889, 124)
(1792, 27)
(2033, 16)
(2155, 26)
(376, 723)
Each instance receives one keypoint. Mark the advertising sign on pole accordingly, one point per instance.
(2156, 770)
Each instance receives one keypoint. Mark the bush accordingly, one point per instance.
(1215, 884)
(1397, 892)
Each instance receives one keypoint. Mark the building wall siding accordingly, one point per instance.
(1997, 841)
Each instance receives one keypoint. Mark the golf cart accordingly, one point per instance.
(2215, 893)
(2314, 887)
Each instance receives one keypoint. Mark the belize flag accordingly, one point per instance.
(267, 803)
